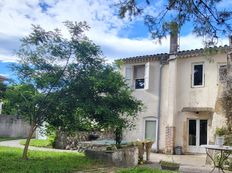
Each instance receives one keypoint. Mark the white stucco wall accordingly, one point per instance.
(197, 97)
(177, 92)
(150, 99)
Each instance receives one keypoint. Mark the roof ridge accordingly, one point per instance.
(181, 53)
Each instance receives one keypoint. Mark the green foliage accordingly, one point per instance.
(21, 100)
(207, 18)
(42, 161)
(38, 143)
(228, 139)
(2, 90)
(141, 170)
(221, 131)
(66, 83)
(227, 106)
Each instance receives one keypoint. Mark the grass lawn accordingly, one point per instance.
(6, 138)
(56, 162)
(43, 162)
(38, 143)
(142, 170)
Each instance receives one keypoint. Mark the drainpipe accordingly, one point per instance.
(159, 102)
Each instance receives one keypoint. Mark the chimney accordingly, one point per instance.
(174, 30)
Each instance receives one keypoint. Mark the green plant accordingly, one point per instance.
(221, 131)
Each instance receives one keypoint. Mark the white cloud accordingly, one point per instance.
(17, 16)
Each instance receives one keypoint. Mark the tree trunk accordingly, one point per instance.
(25, 150)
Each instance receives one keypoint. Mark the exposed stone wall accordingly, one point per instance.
(126, 157)
(11, 126)
(170, 140)
(72, 141)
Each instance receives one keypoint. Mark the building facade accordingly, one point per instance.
(180, 91)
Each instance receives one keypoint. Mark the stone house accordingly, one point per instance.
(179, 90)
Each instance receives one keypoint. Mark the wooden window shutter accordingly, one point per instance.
(147, 74)
(129, 75)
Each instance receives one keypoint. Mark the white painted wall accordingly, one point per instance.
(150, 100)
(177, 93)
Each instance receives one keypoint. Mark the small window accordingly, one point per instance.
(198, 75)
(150, 130)
(139, 74)
(222, 73)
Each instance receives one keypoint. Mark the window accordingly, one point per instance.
(139, 74)
(222, 73)
(192, 132)
(150, 130)
(198, 75)
(198, 132)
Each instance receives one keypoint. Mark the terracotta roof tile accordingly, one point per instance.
(179, 54)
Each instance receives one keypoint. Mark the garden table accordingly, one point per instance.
(224, 153)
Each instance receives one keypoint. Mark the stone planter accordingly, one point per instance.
(220, 140)
(125, 157)
(169, 166)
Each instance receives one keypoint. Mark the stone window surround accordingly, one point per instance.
(192, 75)
(219, 64)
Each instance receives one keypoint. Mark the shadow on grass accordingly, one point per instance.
(43, 162)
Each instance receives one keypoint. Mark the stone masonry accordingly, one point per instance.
(170, 139)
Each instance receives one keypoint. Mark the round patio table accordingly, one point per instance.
(224, 152)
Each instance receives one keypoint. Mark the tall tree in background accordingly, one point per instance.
(208, 18)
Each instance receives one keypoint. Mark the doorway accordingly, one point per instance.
(197, 135)
(151, 131)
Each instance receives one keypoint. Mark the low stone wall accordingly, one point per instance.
(11, 126)
(126, 157)
(72, 141)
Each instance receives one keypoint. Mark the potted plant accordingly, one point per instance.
(220, 132)
(172, 166)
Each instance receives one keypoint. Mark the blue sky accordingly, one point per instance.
(117, 38)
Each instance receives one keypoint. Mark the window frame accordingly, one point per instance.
(218, 72)
(203, 75)
(134, 79)
(150, 118)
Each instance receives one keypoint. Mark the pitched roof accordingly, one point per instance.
(179, 54)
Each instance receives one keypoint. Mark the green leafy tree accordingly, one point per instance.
(2, 90)
(44, 58)
(65, 82)
(100, 96)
